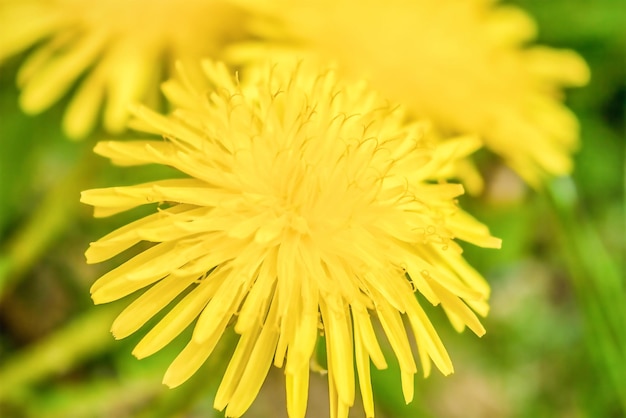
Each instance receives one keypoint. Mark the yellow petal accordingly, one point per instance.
(149, 304)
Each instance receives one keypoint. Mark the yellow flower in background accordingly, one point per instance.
(115, 51)
(465, 64)
(305, 214)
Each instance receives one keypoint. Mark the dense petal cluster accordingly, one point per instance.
(465, 64)
(122, 48)
(305, 214)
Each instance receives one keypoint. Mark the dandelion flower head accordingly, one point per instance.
(305, 209)
(465, 64)
(119, 50)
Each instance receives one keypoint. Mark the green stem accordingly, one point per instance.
(599, 285)
(84, 338)
(46, 223)
(107, 396)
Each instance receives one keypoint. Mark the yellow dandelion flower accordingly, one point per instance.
(119, 50)
(465, 64)
(305, 207)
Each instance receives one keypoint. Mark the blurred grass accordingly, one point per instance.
(555, 345)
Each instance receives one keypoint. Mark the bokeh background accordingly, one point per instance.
(555, 343)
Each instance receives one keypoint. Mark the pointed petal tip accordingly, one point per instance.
(140, 353)
(96, 297)
(170, 380)
(90, 257)
(83, 196)
(448, 370)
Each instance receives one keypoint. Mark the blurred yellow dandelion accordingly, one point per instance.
(305, 208)
(119, 50)
(465, 64)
